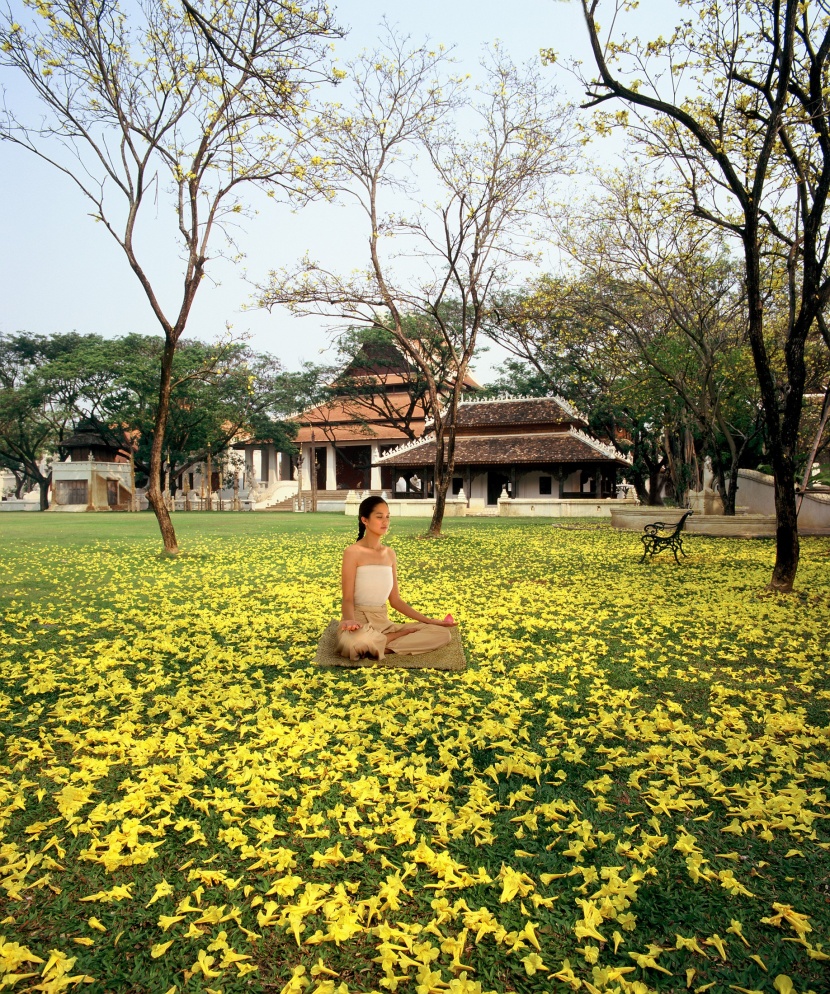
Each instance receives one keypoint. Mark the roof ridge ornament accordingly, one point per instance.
(413, 443)
(604, 447)
(503, 398)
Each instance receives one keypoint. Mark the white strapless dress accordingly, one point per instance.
(372, 585)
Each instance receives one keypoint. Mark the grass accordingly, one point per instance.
(625, 792)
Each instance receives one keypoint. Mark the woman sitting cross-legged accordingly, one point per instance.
(370, 581)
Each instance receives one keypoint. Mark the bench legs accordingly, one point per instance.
(651, 546)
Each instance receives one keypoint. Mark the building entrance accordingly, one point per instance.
(495, 484)
(353, 467)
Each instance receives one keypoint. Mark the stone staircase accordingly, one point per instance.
(483, 511)
(283, 505)
(288, 503)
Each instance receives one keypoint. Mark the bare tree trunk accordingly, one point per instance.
(654, 498)
(640, 488)
(154, 493)
(440, 483)
(445, 455)
(726, 495)
(779, 430)
(43, 484)
(438, 513)
(787, 546)
(729, 496)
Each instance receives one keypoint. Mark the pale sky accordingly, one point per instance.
(60, 271)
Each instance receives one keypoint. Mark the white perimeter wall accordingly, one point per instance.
(756, 492)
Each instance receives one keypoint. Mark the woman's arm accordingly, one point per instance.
(400, 605)
(347, 578)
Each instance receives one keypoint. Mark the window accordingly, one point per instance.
(545, 485)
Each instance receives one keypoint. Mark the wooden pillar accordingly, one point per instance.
(313, 471)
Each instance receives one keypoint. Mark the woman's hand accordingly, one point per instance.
(448, 622)
(348, 625)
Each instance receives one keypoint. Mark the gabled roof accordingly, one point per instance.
(546, 448)
(353, 420)
(516, 411)
(378, 359)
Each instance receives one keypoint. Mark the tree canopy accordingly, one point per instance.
(734, 106)
(219, 392)
(487, 184)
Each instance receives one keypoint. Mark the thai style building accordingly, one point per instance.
(380, 410)
(522, 448)
(95, 476)
(342, 440)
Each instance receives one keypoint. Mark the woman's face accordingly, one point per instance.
(378, 520)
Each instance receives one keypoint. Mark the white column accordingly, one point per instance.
(256, 460)
(307, 455)
(375, 477)
(331, 467)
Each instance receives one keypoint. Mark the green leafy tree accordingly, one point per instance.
(219, 392)
(565, 344)
(668, 287)
(40, 390)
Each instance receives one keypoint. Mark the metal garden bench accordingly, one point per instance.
(654, 542)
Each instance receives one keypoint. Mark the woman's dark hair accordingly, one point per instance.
(366, 507)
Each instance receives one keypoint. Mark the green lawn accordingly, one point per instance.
(626, 791)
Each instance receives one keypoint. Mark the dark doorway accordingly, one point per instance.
(495, 484)
(112, 492)
(352, 467)
(320, 456)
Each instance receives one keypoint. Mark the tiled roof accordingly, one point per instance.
(571, 446)
(349, 421)
(355, 432)
(502, 412)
